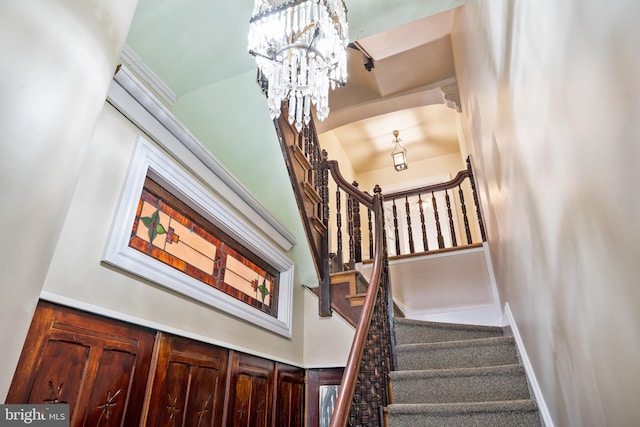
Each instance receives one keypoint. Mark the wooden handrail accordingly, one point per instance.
(440, 220)
(350, 377)
(457, 180)
(360, 196)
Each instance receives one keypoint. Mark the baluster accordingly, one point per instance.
(437, 219)
(395, 227)
(425, 243)
(305, 142)
(370, 222)
(357, 231)
(314, 147)
(302, 142)
(350, 230)
(314, 177)
(452, 228)
(475, 200)
(407, 208)
(463, 207)
(323, 212)
(323, 172)
(339, 259)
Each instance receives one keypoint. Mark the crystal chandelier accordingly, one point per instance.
(300, 49)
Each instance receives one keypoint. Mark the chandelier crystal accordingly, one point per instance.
(300, 48)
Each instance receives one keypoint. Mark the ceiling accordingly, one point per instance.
(182, 42)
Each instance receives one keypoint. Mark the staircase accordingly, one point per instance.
(458, 375)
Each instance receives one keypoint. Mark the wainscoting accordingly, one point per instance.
(115, 373)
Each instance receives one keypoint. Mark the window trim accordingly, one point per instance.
(149, 160)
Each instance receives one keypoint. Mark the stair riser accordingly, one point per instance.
(458, 375)
(406, 334)
(458, 357)
(507, 419)
(479, 388)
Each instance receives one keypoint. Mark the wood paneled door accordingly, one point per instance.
(289, 404)
(98, 366)
(251, 391)
(189, 384)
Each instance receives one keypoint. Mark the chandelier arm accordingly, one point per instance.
(301, 46)
(262, 55)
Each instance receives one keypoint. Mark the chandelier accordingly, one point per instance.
(300, 49)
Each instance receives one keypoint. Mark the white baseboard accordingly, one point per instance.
(533, 382)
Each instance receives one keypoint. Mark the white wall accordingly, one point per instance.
(327, 339)
(77, 275)
(388, 177)
(231, 119)
(58, 59)
(551, 103)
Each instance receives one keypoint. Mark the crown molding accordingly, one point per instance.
(148, 76)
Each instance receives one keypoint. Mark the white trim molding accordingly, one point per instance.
(143, 71)
(547, 421)
(150, 161)
(138, 104)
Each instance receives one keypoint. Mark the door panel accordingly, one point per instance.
(201, 411)
(289, 396)
(97, 365)
(251, 391)
(107, 402)
(169, 406)
(242, 401)
(189, 384)
(260, 402)
(56, 383)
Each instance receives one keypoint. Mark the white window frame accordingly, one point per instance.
(230, 208)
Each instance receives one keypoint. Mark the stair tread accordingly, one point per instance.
(459, 343)
(420, 331)
(523, 405)
(515, 369)
(453, 374)
(445, 325)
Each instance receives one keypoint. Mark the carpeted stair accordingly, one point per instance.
(458, 375)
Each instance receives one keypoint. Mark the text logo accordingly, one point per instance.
(34, 415)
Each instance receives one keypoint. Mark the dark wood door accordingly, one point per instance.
(289, 398)
(189, 383)
(251, 391)
(98, 366)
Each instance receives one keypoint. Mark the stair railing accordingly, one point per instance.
(449, 229)
(428, 218)
(364, 390)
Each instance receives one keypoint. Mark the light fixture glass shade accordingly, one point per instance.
(399, 154)
(300, 48)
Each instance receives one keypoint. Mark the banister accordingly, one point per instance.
(457, 180)
(347, 187)
(350, 376)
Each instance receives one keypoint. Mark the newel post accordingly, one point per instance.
(325, 275)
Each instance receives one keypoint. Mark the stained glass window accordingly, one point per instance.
(168, 230)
